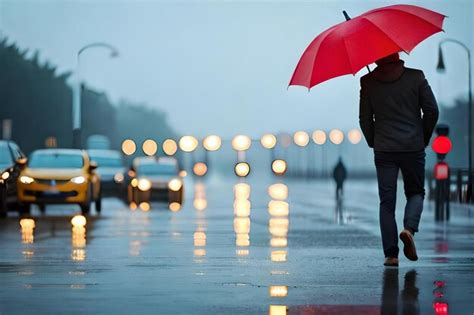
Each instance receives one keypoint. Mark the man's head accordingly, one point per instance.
(388, 59)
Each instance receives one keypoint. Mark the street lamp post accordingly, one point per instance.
(76, 102)
(441, 68)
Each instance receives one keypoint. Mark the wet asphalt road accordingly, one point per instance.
(217, 255)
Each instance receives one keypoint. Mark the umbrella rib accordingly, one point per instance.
(383, 32)
(417, 16)
(347, 55)
(316, 56)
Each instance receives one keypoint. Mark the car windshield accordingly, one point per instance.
(56, 160)
(103, 161)
(5, 156)
(157, 169)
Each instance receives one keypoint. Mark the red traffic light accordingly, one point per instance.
(441, 145)
(441, 170)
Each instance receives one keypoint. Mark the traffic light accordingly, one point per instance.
(441, 146)
(441, 171)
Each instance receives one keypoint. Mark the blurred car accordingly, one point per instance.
(98, 142)
(111, 169)
(59, 176)
(10, 159)
(155, 179)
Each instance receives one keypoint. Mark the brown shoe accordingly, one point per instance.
(391, 262)
(409, 248)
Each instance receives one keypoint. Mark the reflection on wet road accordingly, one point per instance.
(278, 225)
(242, 208)
(275, 247)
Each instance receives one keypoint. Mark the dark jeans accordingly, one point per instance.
(412, 165)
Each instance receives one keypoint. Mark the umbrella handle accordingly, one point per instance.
(347, 19)
(346, 15)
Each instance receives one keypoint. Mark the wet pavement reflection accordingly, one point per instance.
(250, 246)
(78, 238)
(200, 205)
(242, 209)
(278, 226)
(391, 295)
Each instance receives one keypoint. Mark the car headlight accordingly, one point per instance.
(118, 178)
(78, 180)
(175, 184)
(26, 179)
(144, 184)
(5, 175)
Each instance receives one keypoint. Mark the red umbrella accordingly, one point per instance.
(349, 46)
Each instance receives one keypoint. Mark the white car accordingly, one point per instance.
(111, 170)
(155, 179)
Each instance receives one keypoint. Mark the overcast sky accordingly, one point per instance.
(221, 66)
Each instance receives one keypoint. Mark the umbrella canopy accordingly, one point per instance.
(349, 46)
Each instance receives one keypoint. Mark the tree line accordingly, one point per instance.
(38, 102)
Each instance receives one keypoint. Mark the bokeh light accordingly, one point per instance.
(354, 136)
(301, 138)
(144, 184)
(145, 206)
(199, 238)
(170, 147)
(241, 143)
(150, 147)
(278, 310)
(242, 191)
(336, 136)
(174, 206)
(242, 207)
(279, 167)
(175, 184)
(279, 241)
(268, 141)
(278, 208)
(78, 220)
(242, 225)
(278, 291)
(212, 143)
(188, 143)
(128, 147)
(278, 255)
(200, 169)
(27, 227)
(278, 191)
(27, 224)
(242, 169)
(319, 137)
(200, 204)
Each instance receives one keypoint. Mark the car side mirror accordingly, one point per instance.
(92, 166)
(21, 162)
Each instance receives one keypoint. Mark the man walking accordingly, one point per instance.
(339, 174)
(398, 113)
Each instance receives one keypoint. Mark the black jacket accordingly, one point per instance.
(339, 173)
(398, 110)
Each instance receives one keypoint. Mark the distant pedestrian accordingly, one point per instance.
(339, 174)
(398, 113)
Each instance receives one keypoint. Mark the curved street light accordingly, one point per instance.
(76, 102)
(441, 68)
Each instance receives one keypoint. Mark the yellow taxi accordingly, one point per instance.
(59, 176)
